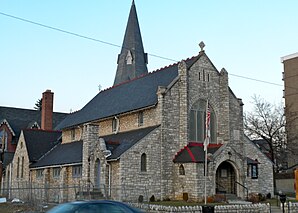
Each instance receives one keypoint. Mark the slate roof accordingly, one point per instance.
(39, 142)
(20, 119)
(194, 153)
(133, 45)
(121, 142)
(64, 153)
(71, 153)
(131, 95)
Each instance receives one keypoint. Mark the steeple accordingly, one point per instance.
(132, 61)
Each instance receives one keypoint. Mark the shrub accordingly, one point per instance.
(210, 199)
(141, 199)
(152, 198)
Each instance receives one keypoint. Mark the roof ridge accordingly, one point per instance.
(147, 74)
(32, 110)
(42, 130)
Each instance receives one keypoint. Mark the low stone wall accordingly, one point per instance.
(251, 208)
(293, 207)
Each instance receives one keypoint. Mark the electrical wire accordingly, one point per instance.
(78, 35)
(119, 46)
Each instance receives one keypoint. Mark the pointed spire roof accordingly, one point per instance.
(132, 61)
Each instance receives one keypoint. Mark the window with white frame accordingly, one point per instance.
(77, 171)
(56, 172)
(115, 124)
(73, 134)
(39, 173)
(254, 171)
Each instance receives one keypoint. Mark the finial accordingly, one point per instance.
(202, 45)
(133, 2)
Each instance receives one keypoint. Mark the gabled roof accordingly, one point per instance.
(71, 153)
(39, 142)
(121, 142)
(19, 119)
(62, 154)
(132, 95)
(194, 153)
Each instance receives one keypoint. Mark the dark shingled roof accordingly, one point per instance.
(20, 119)
(194, 153)
(251, 161)
(133, 45)
(39, 142)
(132, 95)
(71, 153)
(121, 142)
(65, 153)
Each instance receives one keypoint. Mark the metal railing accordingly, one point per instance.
(246, 189)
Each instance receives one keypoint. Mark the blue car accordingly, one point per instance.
(96, 206)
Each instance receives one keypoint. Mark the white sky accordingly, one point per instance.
(247, 38)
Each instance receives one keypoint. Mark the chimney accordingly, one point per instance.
(47, 110)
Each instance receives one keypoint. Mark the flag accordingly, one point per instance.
(207, 126)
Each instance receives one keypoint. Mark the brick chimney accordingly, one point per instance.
(47, 110)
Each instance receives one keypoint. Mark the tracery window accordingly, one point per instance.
(197, 122)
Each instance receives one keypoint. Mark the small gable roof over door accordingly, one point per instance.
(194, 153)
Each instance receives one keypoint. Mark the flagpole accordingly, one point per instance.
(205, 148)
(206, 174)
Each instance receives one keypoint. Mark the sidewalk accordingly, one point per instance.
(275, 209)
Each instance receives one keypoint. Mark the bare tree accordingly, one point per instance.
(292, 134)
(267, 122)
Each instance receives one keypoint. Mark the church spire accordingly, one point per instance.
(132, 61)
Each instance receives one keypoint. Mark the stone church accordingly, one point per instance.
(144, 136)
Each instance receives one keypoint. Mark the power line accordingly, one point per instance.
(254, 79)
(119, 46)
(78, 35)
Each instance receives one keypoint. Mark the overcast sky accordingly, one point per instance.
(247, 38)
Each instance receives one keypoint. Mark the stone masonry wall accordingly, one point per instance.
(20, 171)
(264, 182)
(135, 182)
(67, 135)
(129, 122)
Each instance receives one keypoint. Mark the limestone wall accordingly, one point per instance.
(264, 182)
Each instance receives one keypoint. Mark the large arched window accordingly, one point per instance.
(197, 122)
(143, 162)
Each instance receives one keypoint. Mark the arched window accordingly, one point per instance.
(197, 122)
(143, 162)
(18, 168)
(181, 170)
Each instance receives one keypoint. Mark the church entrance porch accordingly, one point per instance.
(226, 179)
